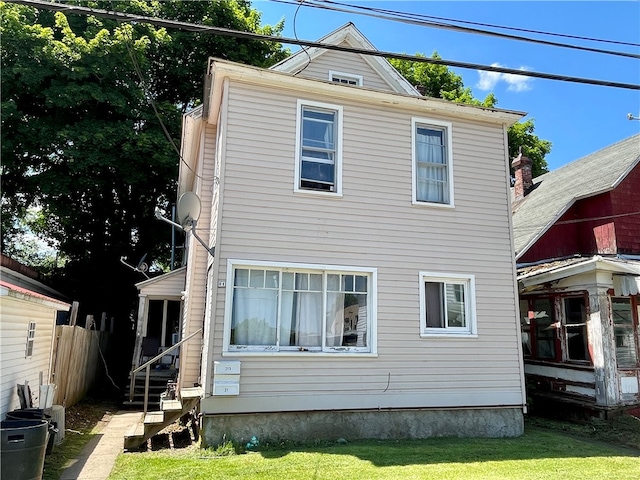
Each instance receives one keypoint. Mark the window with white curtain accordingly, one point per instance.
(432, 165)
(319, 148)
(447, 304)
(299, 308)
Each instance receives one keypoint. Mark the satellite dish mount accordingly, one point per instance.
(188, 211)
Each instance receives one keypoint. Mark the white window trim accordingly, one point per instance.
(415, 121)
(31, 339)
(346, 76)
(338, 352)
(471, 331)
(338, 159)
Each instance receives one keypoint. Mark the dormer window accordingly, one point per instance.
(345, 78)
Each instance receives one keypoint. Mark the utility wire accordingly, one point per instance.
(468, 22)
(410, 19)
(191, 27)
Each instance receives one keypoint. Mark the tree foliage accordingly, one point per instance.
(438, 81)
(81, 142)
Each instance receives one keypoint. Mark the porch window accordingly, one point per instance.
(545, 328)
(575, 328)
(447, 304)
(525, 328)
(626, 350)
(276, 308)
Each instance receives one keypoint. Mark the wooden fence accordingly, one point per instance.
(77, 362)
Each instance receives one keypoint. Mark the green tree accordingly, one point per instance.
(81, 142)
(438, 81)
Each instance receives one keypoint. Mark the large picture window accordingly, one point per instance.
(447, 304)
(300, 308)
(319, 148)
(432, 164)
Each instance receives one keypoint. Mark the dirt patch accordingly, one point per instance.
(622, 431)
(88, 414)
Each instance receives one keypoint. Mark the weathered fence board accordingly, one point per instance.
(77, 362)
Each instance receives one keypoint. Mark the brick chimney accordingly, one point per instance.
(524, 180)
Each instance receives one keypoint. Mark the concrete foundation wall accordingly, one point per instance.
(351, 425)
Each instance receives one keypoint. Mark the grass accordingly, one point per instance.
(541, 453)
(82, 422)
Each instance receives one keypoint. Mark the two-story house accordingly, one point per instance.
(361, 278)
(577, 240)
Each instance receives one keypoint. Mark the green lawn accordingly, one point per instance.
(538, 454)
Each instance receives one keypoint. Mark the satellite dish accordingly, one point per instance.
(188, 208)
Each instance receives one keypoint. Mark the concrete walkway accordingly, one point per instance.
(96, 460)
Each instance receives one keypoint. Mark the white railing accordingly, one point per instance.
(147, 365)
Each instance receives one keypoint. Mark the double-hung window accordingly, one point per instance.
(300, 308)
(319, 148)
(447, 304)
(432, 164)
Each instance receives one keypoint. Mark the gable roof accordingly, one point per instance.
(349, 34)
(555, 192)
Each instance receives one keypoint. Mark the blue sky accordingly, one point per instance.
(578, 119)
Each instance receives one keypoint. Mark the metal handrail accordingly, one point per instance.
(147, 365)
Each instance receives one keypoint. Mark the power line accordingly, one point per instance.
(191, 27)
(468, 22)
(413, 18)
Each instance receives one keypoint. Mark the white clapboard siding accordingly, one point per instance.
(344, 62)
(374, 225)
(15, 316)
(168, 285)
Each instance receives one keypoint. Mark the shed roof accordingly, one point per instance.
(556, 191)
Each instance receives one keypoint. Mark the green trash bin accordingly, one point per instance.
(22, 449)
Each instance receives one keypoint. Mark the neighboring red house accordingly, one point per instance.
(577, 243)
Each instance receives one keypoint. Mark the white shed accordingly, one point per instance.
(28, 311)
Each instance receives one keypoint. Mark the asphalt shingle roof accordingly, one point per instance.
(556, 191)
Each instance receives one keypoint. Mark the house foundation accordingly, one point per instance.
(352, 425)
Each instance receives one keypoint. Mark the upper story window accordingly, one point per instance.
(345, 78)
(447, 304)
(432, 164)
(319, 148)
(300, 308)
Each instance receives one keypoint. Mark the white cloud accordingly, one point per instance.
(515, 83)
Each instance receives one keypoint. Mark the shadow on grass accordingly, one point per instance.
(67, 454)
(535, 444)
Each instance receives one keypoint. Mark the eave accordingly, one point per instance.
(221, 70)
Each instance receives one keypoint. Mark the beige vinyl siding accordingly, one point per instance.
(15, 316)
(198, 259)
(373, 225)
(351, 63)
